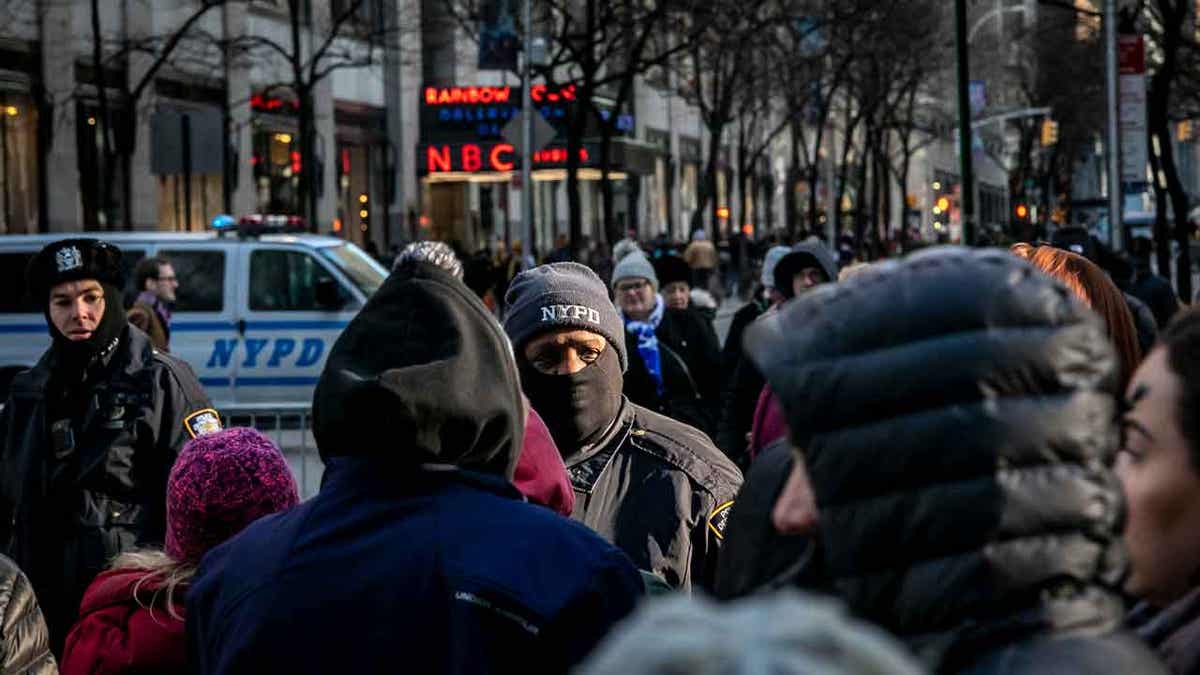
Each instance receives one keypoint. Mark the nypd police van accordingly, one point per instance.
(257, 309)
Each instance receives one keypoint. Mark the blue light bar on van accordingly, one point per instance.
(222, 222)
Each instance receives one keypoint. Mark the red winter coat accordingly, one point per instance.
(118, 634)
(770, 422)
(541, 475)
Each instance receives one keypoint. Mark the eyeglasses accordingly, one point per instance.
(632, 286)
(169, 279)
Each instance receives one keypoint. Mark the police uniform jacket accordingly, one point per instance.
(75, 493)
(660, 491)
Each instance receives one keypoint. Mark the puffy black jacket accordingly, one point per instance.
(24, 641)
(660, 491)
(110, 491)
(957, 415)
(690, 358)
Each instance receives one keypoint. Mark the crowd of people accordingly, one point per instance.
(960, 461)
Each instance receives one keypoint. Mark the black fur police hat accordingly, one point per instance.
(72, 260)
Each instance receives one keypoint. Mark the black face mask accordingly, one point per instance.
(75, 357)
(577, 408)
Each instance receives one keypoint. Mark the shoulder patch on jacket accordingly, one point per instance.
(719, 518)
(202, 422)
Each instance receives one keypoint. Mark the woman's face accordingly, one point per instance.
(1162, 487)
(676, 295)
(635, 297)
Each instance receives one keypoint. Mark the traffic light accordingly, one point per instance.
(1049, 133)
(1022, 212)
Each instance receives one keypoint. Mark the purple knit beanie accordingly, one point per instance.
(221, 483)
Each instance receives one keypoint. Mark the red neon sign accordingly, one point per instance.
(541, 94)
(499, 157)
(557, 156)
(267, 104)
(453, 95)
(468, 157)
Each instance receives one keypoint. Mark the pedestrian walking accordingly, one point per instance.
(89, 433)
(151, 310)
(417, 554)
(956, 415)
(655, 487)
(678, 348)
(132, 615)
(702, 257)
(1159, 467)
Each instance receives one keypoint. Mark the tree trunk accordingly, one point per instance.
(1160, 126)
(1161, 234)
(902, 184)
(793, 179)
(606, 187)
(708, 186)
(104, 201)
(575, 130)
(742, 175)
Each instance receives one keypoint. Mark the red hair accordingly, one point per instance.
(1093, 286)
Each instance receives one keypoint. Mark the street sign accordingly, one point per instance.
(1132, 120)
(543, 133)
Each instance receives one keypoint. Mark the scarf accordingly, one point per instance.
(647, 341)
(160, 308)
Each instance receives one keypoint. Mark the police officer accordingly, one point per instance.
(656, 488)
(89, 434)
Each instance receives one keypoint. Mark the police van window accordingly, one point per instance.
(129, 260)
(367, 274)
(201, 276)
(287, 281)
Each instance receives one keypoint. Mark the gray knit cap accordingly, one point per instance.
(562, 295)
(635, 266)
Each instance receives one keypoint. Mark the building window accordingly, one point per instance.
(18, 165)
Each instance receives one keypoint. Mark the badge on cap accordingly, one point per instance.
(68, 258)
(202, 422)
(719, 519)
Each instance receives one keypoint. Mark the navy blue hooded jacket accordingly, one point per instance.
(417, 555)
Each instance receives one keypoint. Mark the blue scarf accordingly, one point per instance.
(647, 341)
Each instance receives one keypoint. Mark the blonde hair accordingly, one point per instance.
(158, 566)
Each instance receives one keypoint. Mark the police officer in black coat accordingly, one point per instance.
(89, 434)
(655, 487)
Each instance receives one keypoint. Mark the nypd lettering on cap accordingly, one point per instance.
(578, 312)
(68, 258)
